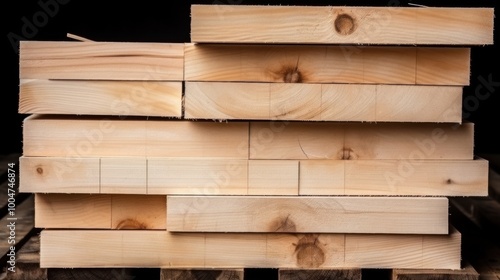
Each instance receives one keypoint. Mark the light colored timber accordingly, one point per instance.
(332, 102)
(341, 25)
(125, 98)
(398, 215)
(377, 251)
(197, 176)
(466, 273)
(326, 64)
(73, 139)
(100, 211)
(101, 61)
(197, 274)
(415, 177)
(320, 274)
(273, 177)
(161, 249)
(173, 176)
(296, 140)
(83, 137)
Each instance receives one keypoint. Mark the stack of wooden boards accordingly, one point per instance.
(325, 153)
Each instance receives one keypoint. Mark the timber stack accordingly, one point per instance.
(298, 138)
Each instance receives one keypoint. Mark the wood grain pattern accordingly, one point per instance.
(145, 248)
(308, 214)
(352, 141)
(201, 274)
(100, 211)
(326, 102)
(326, 64)
(317, 274)
(101, 61)
(124, 98)
(341, 25)
(172, 176)
(107, 136)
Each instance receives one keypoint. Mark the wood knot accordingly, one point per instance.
(292, 76)
(345, 24)
(309, 253)
(131, 224)
(283, 224)
(449, 181)
(347, 154)
(39, 170)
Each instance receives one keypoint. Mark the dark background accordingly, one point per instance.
(169, 21)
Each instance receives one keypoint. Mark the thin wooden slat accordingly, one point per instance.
(129, 98)
(107, 136)
(101, 61)
(308, 214)
(326, 64)
(341, 25)
(318, 274)
(327, 102)
(296, 140)
(146, 248)
(100, 211)
(173, 176)
(466, 273)
(196, 274)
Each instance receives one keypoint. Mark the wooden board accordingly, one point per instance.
(145, 248)
(341, 25)
(197, 274)
(326, 102)
(327, 64)
(124, 98)
(173, 176)
(467, 273)
(330, 140)
(84, 211)
(101, 61)
(385, 215)
(77, 138)
(320, 274)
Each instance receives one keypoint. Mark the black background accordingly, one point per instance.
(169, 21)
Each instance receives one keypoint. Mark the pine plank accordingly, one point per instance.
(201, 274)
(325, 64)
(59, 175)
(100, 211)
(466, 273)
(320, 274)
(125, 98)
(416, 177)
(82, 137)
(198, 176)
(82, 211)
(101, 61)
(327, 102)
(146, 248)
(341, 25)
(329, 140)
(360, 251)
(385, 215)
(173, 176)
